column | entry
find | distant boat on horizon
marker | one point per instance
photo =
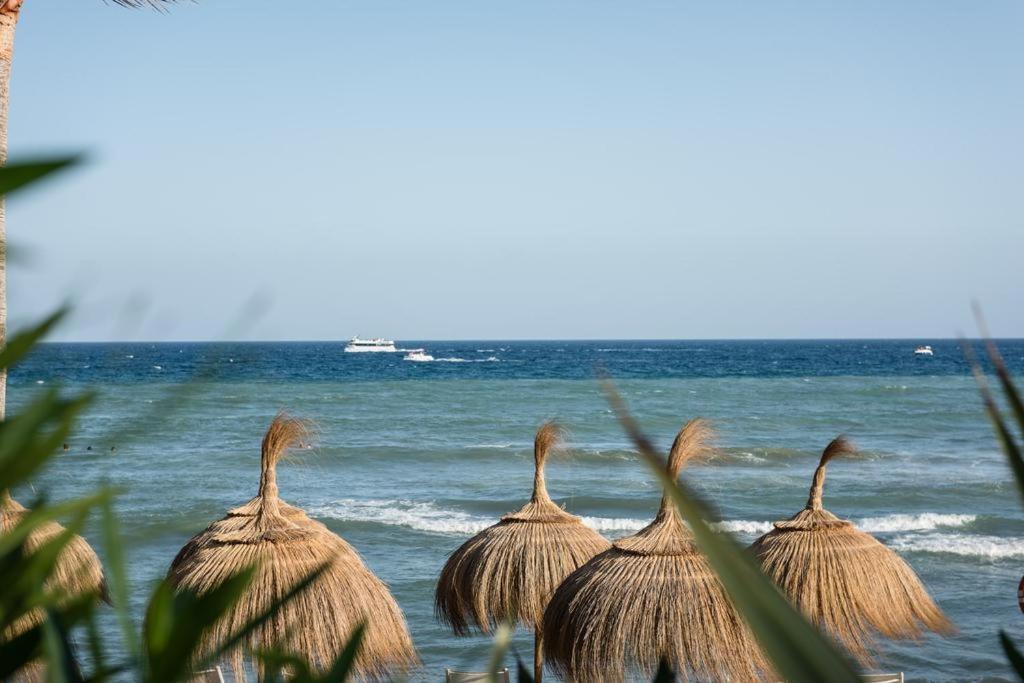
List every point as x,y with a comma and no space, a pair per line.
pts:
924,351
378,345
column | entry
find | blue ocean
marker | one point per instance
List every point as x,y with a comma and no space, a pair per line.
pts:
414,457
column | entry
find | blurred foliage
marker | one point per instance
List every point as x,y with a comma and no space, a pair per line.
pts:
37,620
797,650
1009,432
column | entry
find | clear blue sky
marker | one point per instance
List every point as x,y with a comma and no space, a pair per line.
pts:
522,170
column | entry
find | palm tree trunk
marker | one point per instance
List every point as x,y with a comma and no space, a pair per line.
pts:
8,22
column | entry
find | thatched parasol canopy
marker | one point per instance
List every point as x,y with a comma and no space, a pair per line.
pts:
286,546
843,579
77,572
511,569
652,596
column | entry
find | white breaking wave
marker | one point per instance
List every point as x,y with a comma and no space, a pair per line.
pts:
429,518
743,526
407,513
748,456
919,522
489,359
989,547
615,525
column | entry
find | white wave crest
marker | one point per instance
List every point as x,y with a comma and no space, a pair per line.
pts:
919,522
424,516
489,359
988,547
407,513
428,517
743,526
615,525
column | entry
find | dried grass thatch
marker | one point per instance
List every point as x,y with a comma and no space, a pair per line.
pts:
652,596
843,579
511,569
77,571
287,546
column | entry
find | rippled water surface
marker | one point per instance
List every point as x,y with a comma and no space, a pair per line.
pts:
413,458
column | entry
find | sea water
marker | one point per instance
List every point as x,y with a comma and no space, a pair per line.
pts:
412,458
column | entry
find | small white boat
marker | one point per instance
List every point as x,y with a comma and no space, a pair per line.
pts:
924,351
418,355
379,345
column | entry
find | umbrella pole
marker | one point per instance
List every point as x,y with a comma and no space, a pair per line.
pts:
538,657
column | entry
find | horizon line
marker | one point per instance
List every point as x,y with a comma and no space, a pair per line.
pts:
532,340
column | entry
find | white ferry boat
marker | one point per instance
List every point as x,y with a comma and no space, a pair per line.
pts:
418,355
357,345
924,351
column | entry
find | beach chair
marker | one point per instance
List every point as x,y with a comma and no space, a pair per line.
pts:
213,675
451,676
882,678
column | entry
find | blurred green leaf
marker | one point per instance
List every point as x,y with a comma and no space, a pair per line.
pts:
798,651
61,666
502,641
29,439
342,668
995,415
21,343
117,577
177,621
523,674
40,514
24,572
1012,653
14,176
665,674
275,663
239,636
17,652
1009,389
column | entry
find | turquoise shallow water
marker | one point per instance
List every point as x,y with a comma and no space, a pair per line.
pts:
414,458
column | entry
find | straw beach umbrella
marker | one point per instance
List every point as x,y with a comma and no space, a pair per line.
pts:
843,579
286,546
509,570
77,571
651,596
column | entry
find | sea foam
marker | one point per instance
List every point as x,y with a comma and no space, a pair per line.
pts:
988,547
419,516
919,522
429,518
